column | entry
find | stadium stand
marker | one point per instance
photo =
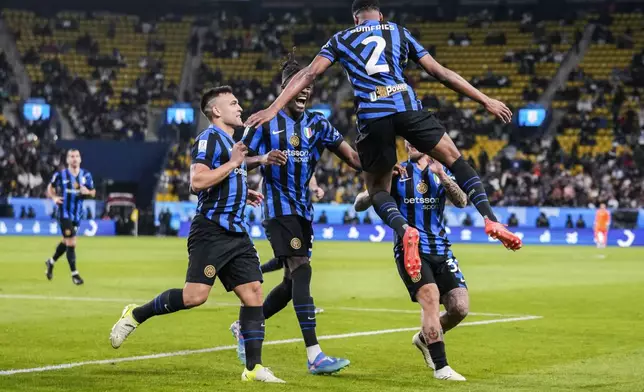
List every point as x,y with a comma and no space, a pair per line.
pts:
101,68
512,57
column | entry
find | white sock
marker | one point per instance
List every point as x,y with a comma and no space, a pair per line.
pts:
51,261
313,352
74,273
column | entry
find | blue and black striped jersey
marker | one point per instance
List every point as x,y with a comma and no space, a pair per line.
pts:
286,187
374,55
68,187
225,202
421,200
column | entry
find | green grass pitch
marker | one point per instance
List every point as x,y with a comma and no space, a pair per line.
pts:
590,335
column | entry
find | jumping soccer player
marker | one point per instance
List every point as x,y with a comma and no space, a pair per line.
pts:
374,54
602,223
68,188
301,136
218,243
421,200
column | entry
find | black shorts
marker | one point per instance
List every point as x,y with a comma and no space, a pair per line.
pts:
290,235
441,270
376,143
214,251
68,227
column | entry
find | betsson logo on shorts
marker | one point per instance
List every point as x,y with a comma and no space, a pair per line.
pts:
429,203
298,156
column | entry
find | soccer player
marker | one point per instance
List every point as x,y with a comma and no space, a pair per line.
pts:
421,200
374,54
301,136
68,188
218,243
602,223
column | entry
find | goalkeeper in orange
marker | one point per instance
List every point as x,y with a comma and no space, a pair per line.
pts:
602,223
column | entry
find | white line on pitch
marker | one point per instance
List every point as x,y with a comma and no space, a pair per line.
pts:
216,303
231,347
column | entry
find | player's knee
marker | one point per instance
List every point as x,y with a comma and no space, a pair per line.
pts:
251,294
299,264
459,312
194,297
428,296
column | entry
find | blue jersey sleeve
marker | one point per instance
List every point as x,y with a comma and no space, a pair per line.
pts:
416,50
203,150
330,50
55,178
89,181
331,137
254,140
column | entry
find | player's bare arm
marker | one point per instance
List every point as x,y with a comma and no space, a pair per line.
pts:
455,82
275,157
453,192
315,188
348,155
299,82
202,177
51,193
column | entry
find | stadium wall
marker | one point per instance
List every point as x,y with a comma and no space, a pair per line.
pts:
527,216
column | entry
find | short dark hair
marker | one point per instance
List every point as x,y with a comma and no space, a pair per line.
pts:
72,150
208,96
365,5
290,67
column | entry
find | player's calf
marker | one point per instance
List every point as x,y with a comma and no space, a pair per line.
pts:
432,335
457,306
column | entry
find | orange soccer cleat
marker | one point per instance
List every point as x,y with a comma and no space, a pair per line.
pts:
498,231
411,253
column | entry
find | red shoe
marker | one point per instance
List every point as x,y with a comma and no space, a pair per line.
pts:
498,231
411,254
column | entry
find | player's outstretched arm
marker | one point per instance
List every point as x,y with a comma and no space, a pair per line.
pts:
455,82
297,83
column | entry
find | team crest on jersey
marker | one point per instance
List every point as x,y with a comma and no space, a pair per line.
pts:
422,187
294,140
68,232
209,271
76,185
296,243
308,132
416,278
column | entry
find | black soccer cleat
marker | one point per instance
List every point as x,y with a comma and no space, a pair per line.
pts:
49,273
77,280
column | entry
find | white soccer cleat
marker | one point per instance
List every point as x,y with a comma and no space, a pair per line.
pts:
424,350
447,373
124,327
262,374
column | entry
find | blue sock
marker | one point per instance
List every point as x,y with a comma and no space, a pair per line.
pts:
169,301
303,303
251,322
271,265
386,208
471,184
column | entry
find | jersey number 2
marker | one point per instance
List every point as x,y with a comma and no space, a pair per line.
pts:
371,66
